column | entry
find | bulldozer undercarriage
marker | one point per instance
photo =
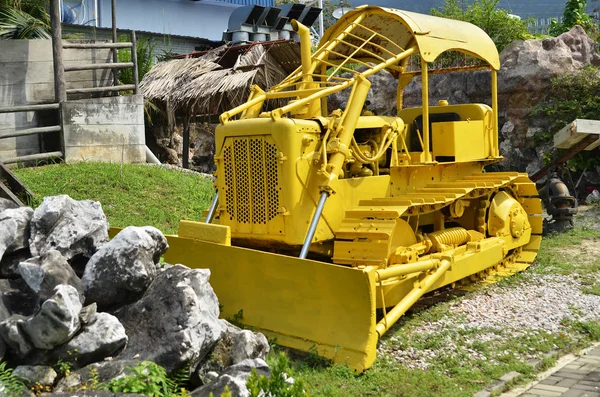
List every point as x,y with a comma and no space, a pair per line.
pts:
495,216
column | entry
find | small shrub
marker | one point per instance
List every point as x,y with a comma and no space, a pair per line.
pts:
147,378
277,385
572,96
62,367
237,319
498,23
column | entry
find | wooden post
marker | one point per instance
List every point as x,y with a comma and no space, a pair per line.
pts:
186,141
134,59
60,92
115,39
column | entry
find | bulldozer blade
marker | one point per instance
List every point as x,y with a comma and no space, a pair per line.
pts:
299,303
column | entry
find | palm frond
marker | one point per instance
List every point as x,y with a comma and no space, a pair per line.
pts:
17,24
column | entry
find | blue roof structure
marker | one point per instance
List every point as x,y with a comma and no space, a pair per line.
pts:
264,3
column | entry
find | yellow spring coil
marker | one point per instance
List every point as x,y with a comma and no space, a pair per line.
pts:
453,236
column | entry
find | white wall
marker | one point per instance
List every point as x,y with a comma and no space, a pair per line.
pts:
206,19
104,129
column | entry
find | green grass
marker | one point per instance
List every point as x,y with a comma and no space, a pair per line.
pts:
136,195
384,379
569,254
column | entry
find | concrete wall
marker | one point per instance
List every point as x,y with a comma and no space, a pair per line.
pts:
163,43
104,129
26,77
206,19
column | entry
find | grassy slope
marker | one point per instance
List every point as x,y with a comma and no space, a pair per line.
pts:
148,195
139,195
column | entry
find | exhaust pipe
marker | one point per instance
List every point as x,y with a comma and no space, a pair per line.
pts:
304,47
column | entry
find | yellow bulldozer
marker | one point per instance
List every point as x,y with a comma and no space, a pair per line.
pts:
329,224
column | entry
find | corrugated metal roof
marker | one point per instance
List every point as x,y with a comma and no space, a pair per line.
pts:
265,3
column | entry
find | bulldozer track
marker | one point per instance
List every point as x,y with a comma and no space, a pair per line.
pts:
476,282
373,219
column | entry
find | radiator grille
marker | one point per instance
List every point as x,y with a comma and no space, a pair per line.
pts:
252,181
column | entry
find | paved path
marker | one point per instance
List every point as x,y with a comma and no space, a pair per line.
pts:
579,378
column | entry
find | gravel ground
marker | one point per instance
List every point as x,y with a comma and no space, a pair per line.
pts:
534,307
539,305
495,313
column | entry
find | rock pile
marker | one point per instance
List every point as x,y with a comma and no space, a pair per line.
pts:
69,294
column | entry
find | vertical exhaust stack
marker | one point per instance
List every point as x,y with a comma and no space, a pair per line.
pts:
304,48
313,109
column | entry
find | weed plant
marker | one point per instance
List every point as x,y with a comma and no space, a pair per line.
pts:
10,384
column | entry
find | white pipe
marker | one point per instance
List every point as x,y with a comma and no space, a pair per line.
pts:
150,157
313,225
321,27
96,14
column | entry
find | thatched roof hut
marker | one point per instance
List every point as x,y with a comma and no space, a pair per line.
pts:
217,80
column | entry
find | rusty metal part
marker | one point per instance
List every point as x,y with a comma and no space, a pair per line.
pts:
560,205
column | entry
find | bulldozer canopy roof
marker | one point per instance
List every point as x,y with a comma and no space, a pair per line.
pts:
433,35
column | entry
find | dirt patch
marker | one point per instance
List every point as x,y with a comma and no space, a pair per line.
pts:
587,249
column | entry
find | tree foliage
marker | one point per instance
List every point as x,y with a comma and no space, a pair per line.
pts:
145,50
24,19
573,96
498,23
574,15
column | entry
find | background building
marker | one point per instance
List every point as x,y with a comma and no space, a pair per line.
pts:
206,19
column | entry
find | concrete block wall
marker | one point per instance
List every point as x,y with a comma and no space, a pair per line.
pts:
104,129
27,77
164,43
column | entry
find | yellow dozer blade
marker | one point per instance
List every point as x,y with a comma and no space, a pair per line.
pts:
299,303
